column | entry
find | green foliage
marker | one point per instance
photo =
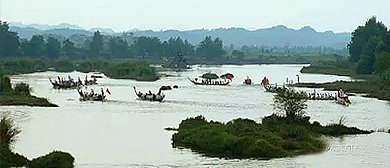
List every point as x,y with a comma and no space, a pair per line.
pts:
9,41
53,47
119,48
68,48
341,67
239,55
147,47
10,159
210,49
56,159
382,62
362,34
20,95
176,45
290,102
35,46
23,88
8,131
96,46
129,70
367,58
244,138
193,122
5,84
385,77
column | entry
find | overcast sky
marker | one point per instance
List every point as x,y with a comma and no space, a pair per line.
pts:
120,15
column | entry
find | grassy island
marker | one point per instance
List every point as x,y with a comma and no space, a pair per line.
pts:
243,138
20,95
286,135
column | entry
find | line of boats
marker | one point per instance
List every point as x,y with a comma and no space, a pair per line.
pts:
205,79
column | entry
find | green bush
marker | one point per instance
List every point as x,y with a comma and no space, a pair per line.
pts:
22,88
385,77
10,159
244,138
56,159
277,136
8,131
5,84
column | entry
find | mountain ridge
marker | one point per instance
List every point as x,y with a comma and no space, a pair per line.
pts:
279,36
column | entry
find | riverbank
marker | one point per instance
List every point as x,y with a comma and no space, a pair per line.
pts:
15,99
369,85
117,69
342,68
275,137
19,95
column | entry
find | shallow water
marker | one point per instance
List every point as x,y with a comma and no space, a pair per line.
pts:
126,132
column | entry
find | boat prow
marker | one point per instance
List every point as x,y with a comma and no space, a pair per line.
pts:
149,96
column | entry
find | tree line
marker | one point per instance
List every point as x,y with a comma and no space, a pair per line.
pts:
107,47
369,49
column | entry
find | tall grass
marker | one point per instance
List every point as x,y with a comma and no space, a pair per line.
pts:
8,131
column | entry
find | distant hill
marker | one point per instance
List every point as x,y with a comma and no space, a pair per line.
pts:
278,36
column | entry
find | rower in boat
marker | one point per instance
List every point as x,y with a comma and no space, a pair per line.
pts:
247,81
342,98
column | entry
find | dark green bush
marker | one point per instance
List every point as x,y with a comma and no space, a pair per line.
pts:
5,84
56,159
22,88
8,131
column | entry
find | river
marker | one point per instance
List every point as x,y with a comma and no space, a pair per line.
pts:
126,132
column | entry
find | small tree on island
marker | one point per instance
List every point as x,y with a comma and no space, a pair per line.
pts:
290,102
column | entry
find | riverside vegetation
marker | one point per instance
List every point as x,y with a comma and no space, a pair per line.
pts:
8,134
369,61
20,95
114,69
280,135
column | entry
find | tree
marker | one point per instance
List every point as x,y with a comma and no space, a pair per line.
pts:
382,62
238,54
210,49
367,58
36,46
53,47
147,46
68,48
8,131
362,34
189,48
119,48
97,45
291,103
9,41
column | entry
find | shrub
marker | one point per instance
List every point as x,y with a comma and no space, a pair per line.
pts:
22,88
8,131
5,84
290,102
56,159
385,77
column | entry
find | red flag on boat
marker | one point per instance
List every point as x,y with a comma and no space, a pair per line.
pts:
108,91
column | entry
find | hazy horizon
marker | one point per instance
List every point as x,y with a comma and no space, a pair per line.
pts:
35,25
122,15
